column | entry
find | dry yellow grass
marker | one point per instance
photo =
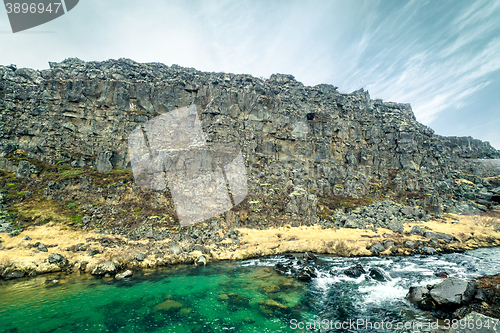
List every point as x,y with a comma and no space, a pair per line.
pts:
298,239
471,231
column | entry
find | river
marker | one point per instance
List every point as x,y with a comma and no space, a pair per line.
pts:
243,296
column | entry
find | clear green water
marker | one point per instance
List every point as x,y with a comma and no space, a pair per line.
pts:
181,299
224,297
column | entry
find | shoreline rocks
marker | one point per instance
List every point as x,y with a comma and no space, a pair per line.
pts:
104,268
456,298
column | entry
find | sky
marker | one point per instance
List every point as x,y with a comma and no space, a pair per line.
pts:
442,57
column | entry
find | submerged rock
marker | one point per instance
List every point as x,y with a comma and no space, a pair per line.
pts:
442,274
234,299
271,306
271,289
169,305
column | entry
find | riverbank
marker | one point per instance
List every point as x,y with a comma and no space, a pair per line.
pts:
53,248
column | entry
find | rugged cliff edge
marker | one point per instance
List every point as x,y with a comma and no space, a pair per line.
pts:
312,155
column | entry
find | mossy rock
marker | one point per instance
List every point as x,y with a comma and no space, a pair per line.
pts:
185,311
271,306
169,305
237,300
271,289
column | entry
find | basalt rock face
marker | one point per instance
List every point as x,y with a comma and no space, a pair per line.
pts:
82,113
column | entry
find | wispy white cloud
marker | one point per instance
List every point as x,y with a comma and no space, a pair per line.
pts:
433,67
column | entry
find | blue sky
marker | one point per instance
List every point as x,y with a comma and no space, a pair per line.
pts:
443,57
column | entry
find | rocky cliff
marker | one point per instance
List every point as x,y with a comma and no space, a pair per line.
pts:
307,150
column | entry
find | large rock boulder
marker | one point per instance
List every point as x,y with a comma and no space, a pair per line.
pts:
12,274
439,235
107,267
453,292
57,259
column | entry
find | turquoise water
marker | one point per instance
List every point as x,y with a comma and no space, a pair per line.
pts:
182,299
246,296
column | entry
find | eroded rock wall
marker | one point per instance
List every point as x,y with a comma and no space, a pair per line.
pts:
290,134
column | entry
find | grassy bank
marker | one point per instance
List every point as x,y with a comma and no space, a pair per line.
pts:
85,250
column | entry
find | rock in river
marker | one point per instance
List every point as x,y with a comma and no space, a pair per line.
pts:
201,261
355,271
378,275
421,297
123,275
306,273
453,292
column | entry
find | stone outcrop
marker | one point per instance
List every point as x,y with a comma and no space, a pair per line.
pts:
299,143
446,296
383,214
